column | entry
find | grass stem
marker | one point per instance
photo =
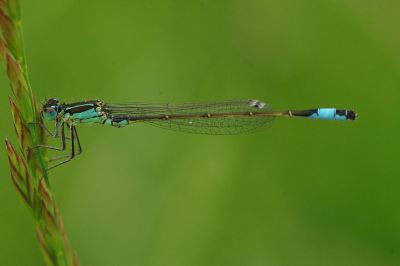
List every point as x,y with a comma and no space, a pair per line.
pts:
28,166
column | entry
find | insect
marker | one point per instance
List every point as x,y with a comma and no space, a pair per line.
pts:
215,118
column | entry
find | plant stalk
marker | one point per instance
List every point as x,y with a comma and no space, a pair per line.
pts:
28,164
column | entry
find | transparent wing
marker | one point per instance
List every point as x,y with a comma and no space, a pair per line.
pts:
216,118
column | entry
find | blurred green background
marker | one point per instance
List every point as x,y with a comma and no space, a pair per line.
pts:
301,193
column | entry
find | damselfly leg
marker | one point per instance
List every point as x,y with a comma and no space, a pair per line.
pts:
53,134
73,137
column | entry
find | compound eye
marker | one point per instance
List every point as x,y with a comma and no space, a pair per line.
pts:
49,113
50,109
51,102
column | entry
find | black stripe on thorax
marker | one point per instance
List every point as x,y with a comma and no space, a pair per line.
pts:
78,107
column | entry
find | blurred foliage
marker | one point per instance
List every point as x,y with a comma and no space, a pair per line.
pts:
302,193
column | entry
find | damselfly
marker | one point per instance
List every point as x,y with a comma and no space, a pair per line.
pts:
216,118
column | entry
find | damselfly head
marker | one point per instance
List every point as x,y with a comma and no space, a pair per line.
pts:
50,109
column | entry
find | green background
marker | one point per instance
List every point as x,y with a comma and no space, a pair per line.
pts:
301,193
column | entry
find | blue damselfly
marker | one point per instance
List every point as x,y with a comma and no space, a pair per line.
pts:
215,118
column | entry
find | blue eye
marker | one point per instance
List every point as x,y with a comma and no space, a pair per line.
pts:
50,114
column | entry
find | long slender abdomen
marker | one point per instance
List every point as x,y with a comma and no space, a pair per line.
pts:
325,114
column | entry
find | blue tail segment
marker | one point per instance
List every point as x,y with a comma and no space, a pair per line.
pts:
333,114
326,114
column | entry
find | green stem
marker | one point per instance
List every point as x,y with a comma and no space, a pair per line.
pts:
28,168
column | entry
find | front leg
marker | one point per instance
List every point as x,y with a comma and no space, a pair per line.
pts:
77,141
49,132
63,140
73,136
53,134
68,155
